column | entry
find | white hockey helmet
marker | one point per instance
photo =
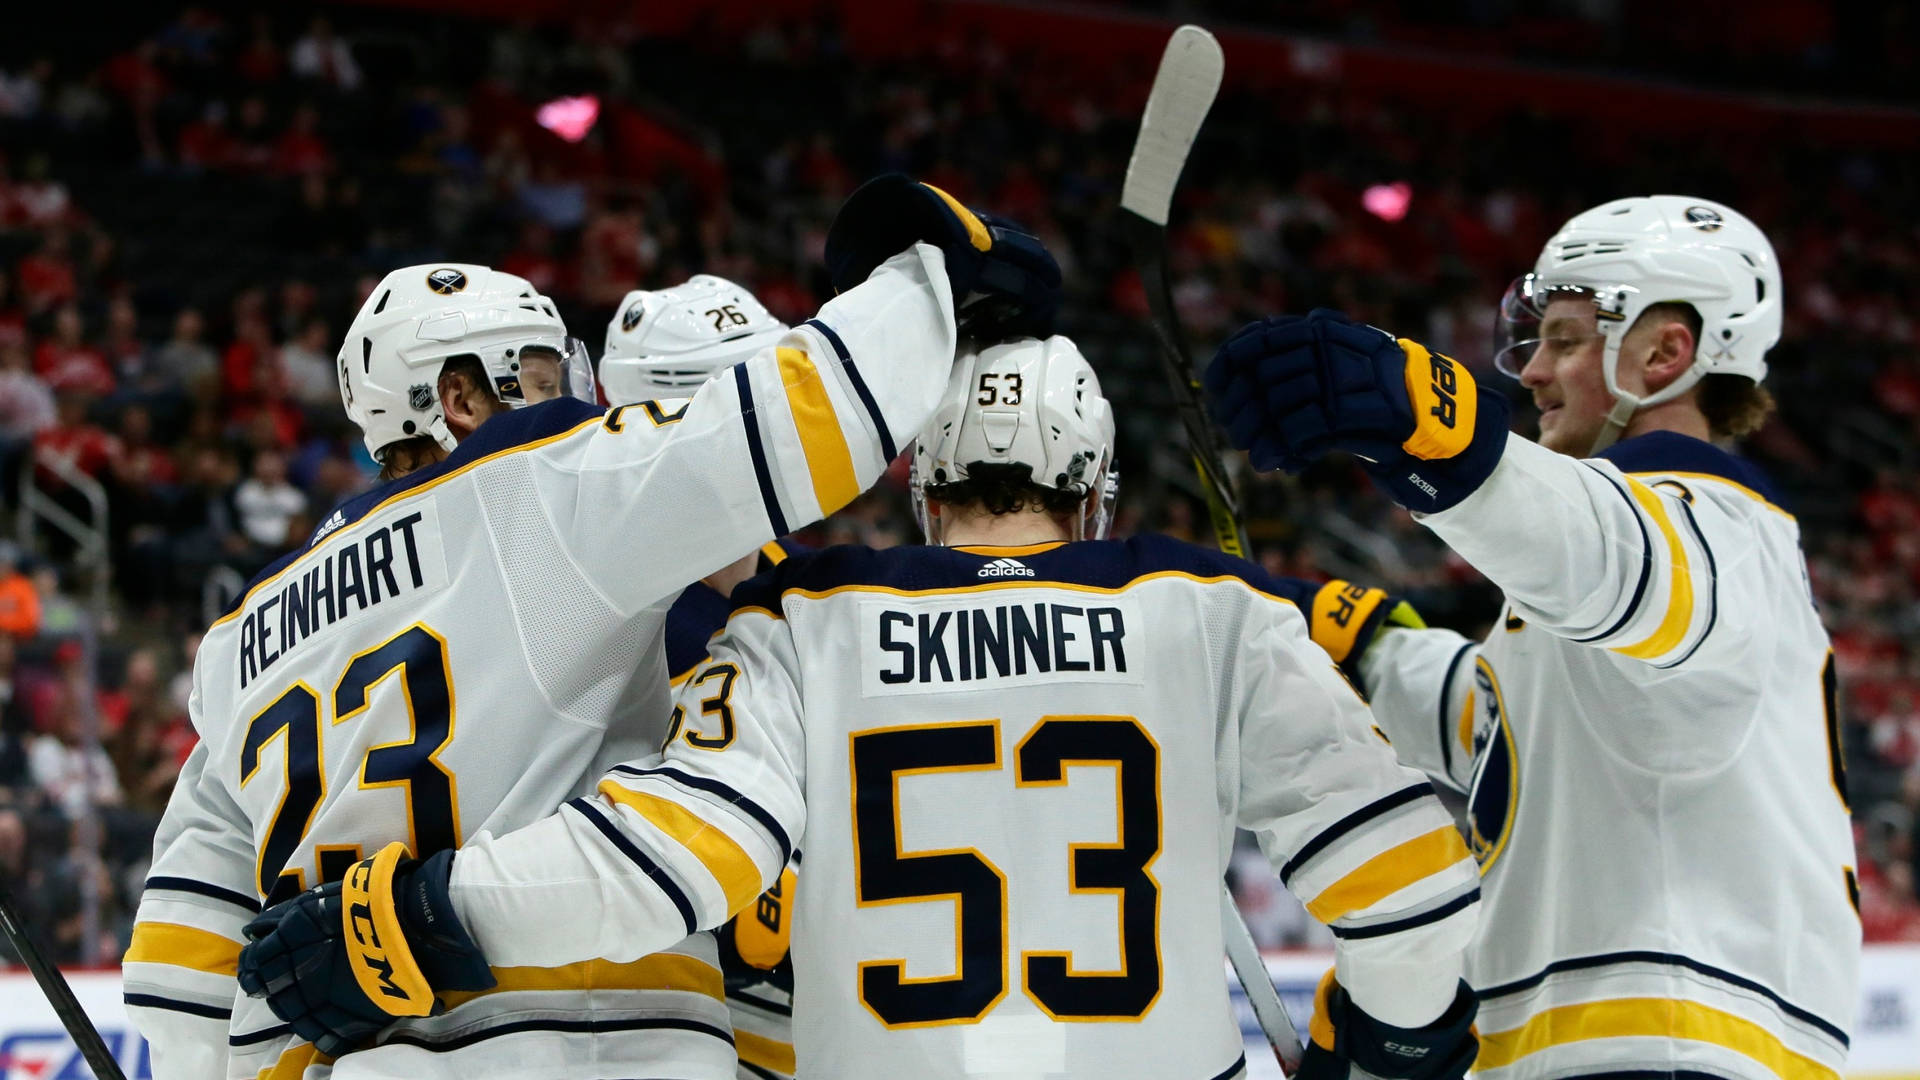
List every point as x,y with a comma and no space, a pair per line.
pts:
1022,402
419,317
666,342
1629,254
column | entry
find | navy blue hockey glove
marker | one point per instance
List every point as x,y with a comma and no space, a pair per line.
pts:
1343,1036
1288,389
1343,618
343,960
1005,283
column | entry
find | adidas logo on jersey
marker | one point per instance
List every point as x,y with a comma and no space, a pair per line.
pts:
338,519
1006,568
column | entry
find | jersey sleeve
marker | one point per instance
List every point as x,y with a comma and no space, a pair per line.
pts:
1600,558
1420,684
179,969
668,845
660,493
1359,838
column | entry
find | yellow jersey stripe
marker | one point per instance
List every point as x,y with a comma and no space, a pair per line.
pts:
828,459
294,1061
1009,549
1673,625
764,1052
183,946
726,860
1389,872
1659,1018
659,971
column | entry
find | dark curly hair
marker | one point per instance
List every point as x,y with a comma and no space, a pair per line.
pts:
1003,489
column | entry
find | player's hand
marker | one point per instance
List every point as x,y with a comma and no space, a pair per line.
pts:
1343,1036
1343,618
343,960
1289,389
1005,283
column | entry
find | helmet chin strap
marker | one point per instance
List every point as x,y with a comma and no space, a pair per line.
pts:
437,427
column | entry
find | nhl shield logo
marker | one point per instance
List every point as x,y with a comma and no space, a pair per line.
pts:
446,281
419,395
632,317
1704,218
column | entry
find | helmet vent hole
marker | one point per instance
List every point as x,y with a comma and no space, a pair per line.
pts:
366,356
1759,290
382,305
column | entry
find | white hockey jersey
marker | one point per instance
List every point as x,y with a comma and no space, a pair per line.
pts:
1016,774
461,651
1650,751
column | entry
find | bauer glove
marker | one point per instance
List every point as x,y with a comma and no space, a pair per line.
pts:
1342,1037
343,960
1289,389
1005,283
1343,618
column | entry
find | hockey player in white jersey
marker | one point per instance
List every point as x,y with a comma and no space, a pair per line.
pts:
1017,762
1647,739
661,345
517,589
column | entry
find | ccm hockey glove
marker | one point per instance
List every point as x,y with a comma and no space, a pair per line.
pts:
1343,1037
343,960
1005,283
1289,389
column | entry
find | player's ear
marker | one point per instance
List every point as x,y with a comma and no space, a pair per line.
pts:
1671,354
465,404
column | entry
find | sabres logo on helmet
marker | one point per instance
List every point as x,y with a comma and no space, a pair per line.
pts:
1704,218
632,316
446,281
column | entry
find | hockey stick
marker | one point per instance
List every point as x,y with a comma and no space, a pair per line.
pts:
1183,91
59,994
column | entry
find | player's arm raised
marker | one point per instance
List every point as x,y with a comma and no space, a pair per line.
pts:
200,892
1581,550
1365,844
800,429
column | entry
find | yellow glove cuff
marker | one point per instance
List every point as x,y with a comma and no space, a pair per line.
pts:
377,951
1340,610
1320,1028
977,233
1445,404
761,934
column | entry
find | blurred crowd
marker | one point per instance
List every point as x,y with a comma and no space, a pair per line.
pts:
188,222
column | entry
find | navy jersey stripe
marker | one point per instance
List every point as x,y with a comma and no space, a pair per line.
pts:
757,452
1345,825
1646,566
727,794
642,860
759,1002
155,1001
582,1027
1239,1064
1446,736
1713,588
887,448
1640,956
249,1038
201,888
764,1074
1411,922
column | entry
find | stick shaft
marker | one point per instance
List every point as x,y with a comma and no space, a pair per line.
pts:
59,994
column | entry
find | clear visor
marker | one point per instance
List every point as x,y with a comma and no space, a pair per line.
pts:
1523,326
543,371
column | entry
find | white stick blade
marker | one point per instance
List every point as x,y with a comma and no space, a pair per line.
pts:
1183,91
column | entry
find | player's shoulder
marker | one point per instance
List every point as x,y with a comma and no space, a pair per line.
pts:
1099,565
1676,459
518,429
